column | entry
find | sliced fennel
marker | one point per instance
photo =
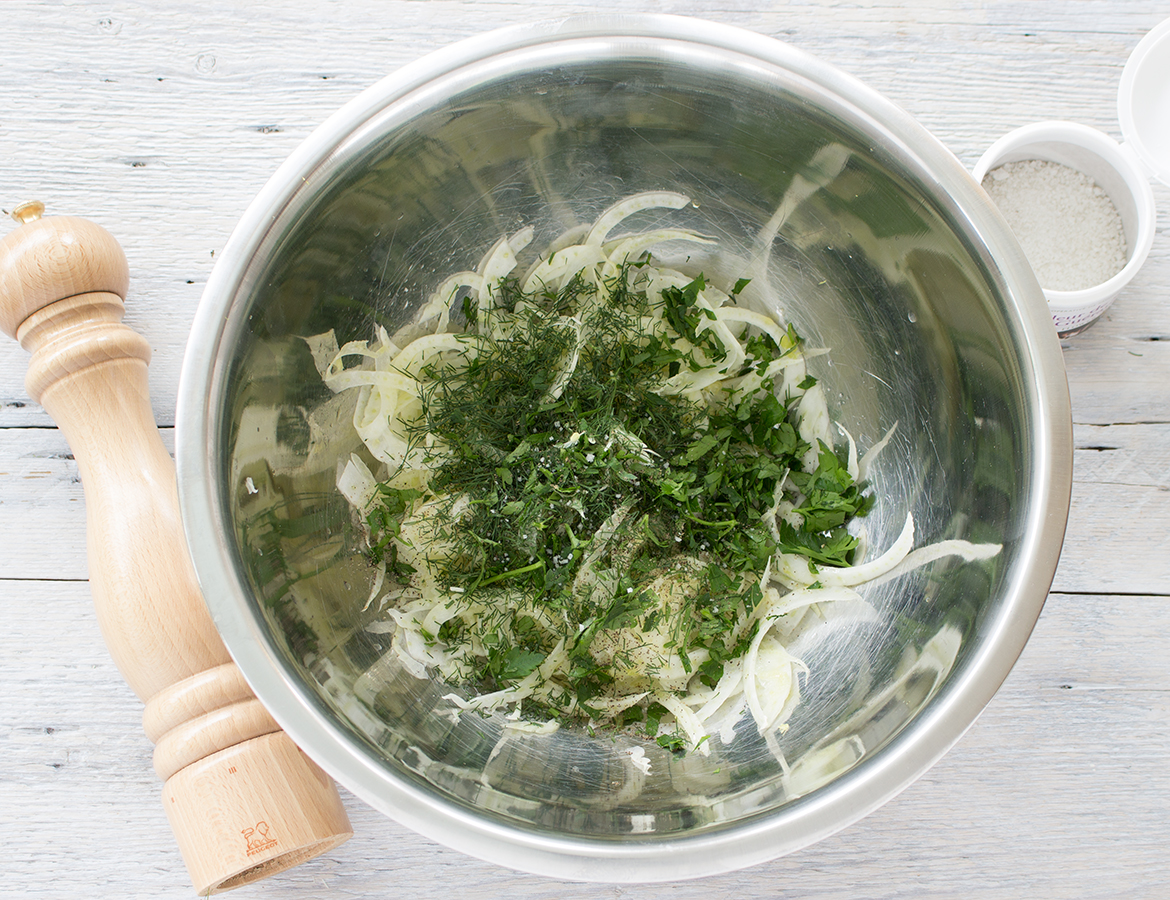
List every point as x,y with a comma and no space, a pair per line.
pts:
629,614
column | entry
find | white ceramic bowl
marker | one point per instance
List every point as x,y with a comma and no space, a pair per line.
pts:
1118,171
1143,102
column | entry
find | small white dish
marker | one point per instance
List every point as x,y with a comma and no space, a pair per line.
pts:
1121,170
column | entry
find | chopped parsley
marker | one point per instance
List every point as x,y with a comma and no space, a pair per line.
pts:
580,502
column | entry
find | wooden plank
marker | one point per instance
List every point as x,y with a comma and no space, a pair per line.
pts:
1118,536
42,505
198,113
1058,790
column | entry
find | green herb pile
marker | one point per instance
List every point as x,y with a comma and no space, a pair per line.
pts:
595,513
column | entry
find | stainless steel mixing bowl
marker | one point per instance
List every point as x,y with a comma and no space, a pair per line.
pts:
883,250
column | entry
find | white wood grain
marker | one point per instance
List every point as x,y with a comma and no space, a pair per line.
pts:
162,122
1115,468
1059,789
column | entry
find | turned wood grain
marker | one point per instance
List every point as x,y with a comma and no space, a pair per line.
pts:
229,772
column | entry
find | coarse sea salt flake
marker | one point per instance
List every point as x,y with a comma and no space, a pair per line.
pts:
1068,227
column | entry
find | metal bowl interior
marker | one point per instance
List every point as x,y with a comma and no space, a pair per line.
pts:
855,225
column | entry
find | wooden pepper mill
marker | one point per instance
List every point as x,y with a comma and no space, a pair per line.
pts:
243,800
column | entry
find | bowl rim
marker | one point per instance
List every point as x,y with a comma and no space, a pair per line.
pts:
886,773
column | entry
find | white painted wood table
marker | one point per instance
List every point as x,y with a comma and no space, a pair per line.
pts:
161,123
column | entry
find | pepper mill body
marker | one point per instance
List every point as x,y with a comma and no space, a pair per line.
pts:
244,802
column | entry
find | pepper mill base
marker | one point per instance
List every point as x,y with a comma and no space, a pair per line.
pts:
252,810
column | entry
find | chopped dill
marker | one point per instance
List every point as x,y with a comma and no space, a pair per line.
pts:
577,505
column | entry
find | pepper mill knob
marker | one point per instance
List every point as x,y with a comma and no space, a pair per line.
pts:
243,800
48,259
